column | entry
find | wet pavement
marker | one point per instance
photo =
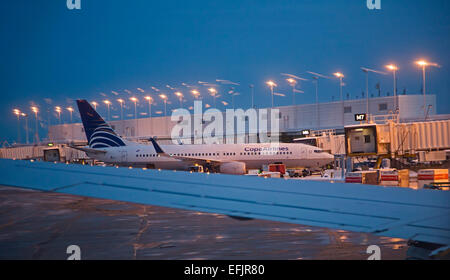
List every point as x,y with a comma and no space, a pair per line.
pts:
38,225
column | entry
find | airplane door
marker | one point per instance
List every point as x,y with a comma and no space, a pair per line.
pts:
123,156
304,153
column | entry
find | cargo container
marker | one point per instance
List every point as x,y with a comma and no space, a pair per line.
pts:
362,177
403,178
428,176
276,167
389,177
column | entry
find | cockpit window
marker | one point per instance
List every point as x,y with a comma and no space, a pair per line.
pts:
318,151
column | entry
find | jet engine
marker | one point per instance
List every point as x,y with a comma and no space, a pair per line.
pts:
235,168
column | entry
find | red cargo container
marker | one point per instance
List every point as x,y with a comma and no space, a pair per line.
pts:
276,167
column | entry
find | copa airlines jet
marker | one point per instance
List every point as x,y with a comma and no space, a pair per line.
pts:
105,145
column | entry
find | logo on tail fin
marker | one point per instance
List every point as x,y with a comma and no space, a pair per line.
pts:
98,132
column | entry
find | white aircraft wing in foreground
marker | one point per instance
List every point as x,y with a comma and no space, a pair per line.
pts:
421,215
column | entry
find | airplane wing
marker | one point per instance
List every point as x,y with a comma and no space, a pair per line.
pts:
421,215
160,152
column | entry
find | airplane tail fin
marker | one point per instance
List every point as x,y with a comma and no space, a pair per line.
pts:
157,147
98,133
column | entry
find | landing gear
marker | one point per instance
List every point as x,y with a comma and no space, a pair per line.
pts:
306,172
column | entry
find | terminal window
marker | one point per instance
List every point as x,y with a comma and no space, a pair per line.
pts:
382,107
348,109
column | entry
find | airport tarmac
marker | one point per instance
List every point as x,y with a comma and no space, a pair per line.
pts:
38,225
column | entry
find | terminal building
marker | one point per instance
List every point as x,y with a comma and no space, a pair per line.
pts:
330,116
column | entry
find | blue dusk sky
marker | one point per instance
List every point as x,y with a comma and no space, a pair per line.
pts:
51,56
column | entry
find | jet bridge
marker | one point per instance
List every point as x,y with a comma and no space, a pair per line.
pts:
398,139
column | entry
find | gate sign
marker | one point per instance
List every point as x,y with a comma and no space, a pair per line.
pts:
306,132
360,117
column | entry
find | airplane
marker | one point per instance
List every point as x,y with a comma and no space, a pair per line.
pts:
107,146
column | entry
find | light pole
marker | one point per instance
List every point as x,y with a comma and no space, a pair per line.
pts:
164,98
36,111
195,93
121,101
17,113
271,84
316,79
367,70
252,87
108,103
394,69
341,76
26,126
135,100
58,110
70,109
180,97
292,83
150,101
367,90
95,105
424,64
233,93
213,93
